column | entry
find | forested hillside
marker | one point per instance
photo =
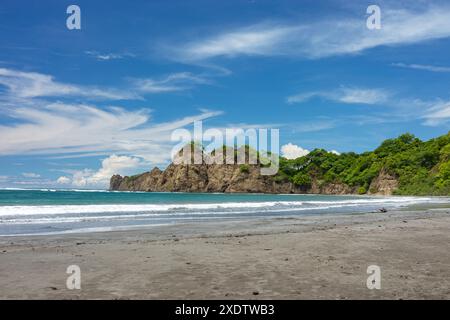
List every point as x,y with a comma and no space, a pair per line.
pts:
421,168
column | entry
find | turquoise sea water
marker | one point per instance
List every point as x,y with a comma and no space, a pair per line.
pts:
33,212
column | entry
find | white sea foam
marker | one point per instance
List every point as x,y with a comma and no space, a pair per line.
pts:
73,209
171,216
146,208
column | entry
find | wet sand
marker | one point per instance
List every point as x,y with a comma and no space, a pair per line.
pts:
313,257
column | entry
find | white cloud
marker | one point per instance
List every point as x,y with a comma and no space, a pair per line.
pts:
31,175
108,56
437,114
23,86
324,38
292,151
344,95
69,130
112,165
365,96
32,85
85,130
173,82
63,180
303,97
253,40
80,130
335,152
422,67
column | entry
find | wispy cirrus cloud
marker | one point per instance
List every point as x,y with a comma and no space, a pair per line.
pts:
344,95
331,37
253,40
431,112
437,114
44,125
31,175
109,56
35,85
422,67
130,139
173,82
86,130
29,85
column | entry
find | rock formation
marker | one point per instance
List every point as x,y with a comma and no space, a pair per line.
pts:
233,178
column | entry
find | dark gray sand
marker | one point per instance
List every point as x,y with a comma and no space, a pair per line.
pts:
312,257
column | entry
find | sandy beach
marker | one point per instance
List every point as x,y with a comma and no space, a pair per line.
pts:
311,257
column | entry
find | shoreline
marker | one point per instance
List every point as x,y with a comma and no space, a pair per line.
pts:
312,257
60,215
232,226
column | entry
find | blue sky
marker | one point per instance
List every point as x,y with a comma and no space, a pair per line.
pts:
79,105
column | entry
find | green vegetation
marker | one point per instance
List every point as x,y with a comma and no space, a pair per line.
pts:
302,180
421,168
362,190
244,168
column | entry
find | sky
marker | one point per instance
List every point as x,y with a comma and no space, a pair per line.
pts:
77,106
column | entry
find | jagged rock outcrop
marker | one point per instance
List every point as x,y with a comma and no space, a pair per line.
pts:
203,178
336,188
232,178
384,184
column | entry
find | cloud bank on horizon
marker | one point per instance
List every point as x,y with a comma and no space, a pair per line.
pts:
75,111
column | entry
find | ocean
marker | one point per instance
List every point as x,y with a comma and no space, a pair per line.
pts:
49,211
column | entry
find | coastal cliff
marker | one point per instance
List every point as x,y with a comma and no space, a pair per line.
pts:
203,178
404,166
231,179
